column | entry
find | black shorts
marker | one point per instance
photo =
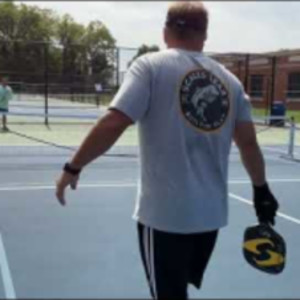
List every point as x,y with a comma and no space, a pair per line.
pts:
172,261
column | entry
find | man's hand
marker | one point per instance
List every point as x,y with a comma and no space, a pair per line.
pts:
265,204
101,137
65,180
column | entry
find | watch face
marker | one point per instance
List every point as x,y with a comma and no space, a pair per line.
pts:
204,100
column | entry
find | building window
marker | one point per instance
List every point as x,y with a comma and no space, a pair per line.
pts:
256,85
294,85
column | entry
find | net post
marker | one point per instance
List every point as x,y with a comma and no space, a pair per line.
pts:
292,138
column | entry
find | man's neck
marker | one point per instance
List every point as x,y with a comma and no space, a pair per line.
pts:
188,46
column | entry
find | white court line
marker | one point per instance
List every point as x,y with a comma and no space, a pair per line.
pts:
122,184
5,272
52,187
284,216
278,180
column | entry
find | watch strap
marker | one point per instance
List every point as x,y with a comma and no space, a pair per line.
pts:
71,170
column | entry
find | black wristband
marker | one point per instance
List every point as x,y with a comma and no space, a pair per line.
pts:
261,189
260,192
265,204
69,169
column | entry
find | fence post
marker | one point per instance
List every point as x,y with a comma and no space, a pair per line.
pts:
118,67
247,58
273,79
46,79
268,97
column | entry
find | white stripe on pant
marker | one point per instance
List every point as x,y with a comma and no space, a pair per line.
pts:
149,257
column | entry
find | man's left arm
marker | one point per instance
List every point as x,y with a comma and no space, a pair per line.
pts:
129,105
102,136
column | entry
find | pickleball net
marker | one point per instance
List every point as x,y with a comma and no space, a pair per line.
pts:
29,136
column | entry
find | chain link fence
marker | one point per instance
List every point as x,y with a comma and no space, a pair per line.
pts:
44,73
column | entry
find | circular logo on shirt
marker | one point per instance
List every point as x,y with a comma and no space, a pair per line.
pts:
204,100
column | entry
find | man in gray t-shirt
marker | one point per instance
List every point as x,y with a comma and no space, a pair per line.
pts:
188,109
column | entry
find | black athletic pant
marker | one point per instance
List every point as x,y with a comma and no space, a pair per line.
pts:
172,261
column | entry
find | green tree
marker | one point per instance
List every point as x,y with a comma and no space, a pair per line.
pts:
8,20
70,35
73,50
100,50
23,30
28,23
34,24
143,49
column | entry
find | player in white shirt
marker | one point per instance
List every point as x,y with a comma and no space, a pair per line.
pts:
188,108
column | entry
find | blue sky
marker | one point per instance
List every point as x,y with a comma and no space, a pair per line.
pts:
234,26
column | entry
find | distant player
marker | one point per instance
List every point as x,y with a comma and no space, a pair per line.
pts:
6,95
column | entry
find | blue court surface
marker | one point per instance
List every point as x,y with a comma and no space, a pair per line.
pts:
89,249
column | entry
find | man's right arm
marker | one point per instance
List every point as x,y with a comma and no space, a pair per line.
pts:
265,203
252,158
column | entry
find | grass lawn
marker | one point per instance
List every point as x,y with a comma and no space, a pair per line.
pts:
260,112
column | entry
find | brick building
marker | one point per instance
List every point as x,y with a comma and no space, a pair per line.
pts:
267,77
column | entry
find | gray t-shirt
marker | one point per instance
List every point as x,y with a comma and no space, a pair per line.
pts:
186,106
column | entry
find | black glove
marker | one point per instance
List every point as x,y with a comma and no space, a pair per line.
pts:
265,204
